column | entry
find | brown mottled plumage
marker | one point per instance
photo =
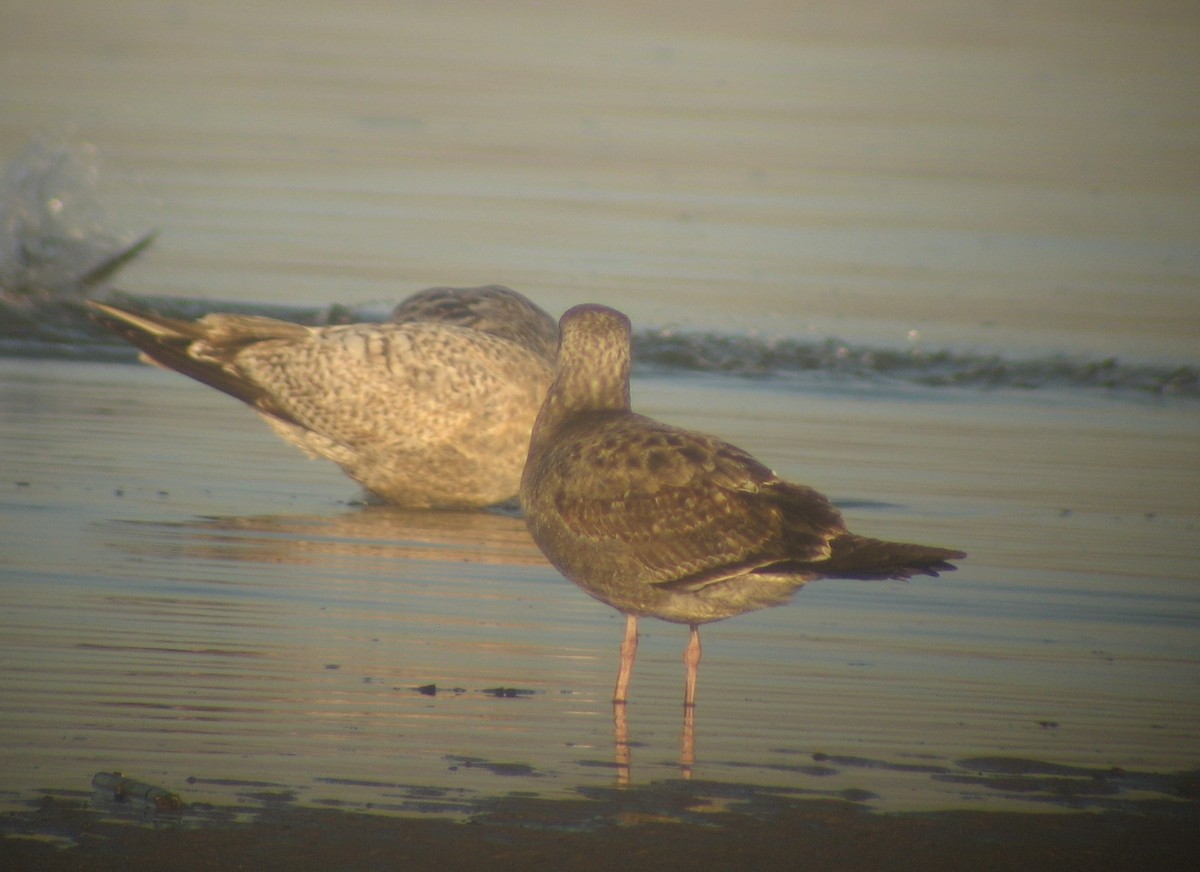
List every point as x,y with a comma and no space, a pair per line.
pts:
423,412
663,522
492,309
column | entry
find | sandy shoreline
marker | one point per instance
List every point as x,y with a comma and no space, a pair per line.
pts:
662,826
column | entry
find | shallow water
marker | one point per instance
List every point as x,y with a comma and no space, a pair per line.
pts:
185,599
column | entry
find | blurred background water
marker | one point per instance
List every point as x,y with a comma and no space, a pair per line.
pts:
937,260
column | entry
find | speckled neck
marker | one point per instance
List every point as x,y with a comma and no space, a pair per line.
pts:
592,370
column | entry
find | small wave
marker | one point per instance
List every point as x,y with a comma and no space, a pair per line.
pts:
56,241
756,356
57,249
64,330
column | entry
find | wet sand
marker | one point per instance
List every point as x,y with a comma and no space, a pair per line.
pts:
624,830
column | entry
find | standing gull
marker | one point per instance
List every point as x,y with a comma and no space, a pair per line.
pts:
662,522
430,409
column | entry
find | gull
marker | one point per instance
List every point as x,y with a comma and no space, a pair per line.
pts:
658,521
432,409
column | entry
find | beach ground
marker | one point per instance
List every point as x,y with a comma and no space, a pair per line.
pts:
619,832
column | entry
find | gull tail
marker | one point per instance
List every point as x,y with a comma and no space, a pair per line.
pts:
204,350
860,557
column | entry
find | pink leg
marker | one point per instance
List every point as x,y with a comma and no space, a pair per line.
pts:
628,652
687,749
621,744
691,658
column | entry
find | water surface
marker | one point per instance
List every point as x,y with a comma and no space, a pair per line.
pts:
186,600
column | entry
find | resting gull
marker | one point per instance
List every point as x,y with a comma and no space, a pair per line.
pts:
662,522
430,409
492,309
